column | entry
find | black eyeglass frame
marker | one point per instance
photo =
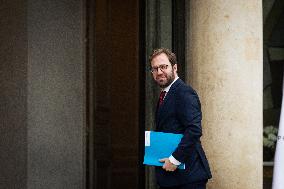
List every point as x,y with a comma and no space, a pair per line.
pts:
162,67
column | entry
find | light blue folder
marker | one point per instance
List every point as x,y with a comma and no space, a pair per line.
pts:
160,145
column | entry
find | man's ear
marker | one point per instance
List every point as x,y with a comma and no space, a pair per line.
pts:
175,67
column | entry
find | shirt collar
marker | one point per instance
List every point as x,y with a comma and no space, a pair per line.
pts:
168,87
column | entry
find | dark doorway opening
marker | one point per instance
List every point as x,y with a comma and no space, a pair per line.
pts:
114,94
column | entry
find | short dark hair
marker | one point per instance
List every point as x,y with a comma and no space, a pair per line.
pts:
171,56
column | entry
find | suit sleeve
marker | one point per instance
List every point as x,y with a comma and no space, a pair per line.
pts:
189,115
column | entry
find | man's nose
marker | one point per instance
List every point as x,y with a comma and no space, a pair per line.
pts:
159,71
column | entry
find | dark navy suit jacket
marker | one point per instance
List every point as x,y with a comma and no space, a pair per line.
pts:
180,113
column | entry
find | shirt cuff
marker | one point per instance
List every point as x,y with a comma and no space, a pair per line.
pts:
174,161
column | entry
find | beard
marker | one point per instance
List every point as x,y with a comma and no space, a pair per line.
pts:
164,82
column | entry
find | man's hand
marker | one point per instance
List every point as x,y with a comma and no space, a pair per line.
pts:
168,166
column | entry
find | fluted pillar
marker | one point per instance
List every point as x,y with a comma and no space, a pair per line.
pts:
224,58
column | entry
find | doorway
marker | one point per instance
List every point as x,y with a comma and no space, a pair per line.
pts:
113,85
121,95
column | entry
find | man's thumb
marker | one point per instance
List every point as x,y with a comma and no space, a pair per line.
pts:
162,160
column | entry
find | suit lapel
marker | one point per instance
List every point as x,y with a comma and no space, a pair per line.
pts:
160,111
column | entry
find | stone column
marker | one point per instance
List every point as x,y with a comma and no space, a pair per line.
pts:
225,67
56,95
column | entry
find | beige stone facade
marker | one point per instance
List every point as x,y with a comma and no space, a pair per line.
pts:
225,55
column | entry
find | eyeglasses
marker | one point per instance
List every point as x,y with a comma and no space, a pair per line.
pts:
162,67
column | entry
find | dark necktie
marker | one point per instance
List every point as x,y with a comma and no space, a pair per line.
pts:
161,98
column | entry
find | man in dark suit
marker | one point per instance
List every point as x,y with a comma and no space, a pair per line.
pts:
178,111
